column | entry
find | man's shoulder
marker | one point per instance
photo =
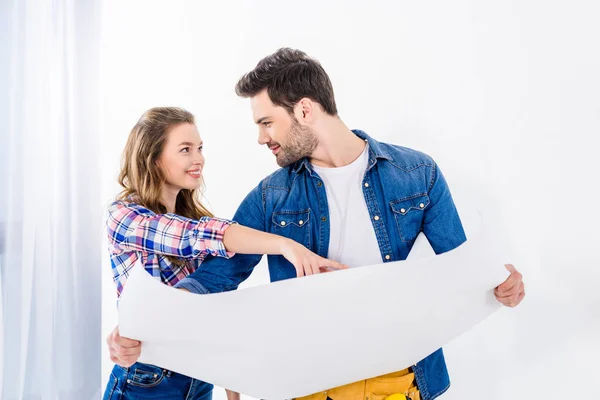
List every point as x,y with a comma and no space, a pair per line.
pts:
400,156
404,157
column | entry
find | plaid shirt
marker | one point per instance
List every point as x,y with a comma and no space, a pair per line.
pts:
134,233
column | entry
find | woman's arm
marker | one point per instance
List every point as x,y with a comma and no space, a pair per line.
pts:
244,240
132,227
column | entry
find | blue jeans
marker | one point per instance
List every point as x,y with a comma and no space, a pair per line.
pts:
145,381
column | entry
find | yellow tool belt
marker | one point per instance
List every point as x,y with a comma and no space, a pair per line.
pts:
395,386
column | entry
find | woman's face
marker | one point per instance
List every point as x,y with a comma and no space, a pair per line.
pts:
181,159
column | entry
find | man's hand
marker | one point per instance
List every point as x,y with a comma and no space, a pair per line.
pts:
232,395
123,351
512,290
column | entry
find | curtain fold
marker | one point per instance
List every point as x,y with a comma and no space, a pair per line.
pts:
50,208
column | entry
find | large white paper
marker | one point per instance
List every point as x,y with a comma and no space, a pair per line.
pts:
300,336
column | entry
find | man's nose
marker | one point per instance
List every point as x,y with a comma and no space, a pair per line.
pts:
263,138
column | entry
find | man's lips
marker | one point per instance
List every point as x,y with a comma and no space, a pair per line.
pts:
275,149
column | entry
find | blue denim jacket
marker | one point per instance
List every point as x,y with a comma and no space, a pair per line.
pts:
403,187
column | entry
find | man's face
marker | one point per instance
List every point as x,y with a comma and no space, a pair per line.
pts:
288,140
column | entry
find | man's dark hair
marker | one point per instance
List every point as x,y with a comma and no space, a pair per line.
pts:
289,75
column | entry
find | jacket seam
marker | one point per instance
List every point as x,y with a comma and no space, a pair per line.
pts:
444,390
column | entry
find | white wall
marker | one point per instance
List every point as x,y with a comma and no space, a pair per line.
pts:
504,93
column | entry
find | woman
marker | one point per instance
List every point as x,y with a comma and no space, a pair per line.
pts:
157,219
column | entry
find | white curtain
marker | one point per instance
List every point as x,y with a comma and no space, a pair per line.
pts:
50,212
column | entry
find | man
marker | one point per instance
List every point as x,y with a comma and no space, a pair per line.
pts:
342,194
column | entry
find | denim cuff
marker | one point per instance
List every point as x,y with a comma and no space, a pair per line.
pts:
192,285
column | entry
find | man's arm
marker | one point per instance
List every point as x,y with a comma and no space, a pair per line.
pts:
441,223
442,226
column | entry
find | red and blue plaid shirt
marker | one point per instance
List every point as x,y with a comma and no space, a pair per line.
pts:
136,233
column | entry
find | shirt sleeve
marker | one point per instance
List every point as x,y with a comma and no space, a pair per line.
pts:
219,275
441,222
132,227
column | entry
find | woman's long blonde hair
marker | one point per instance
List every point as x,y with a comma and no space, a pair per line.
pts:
140,175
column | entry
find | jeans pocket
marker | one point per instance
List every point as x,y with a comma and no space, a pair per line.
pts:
110,387
145,376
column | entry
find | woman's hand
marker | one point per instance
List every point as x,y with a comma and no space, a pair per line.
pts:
123,351
305,261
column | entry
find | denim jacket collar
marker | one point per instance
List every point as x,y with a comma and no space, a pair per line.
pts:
376,151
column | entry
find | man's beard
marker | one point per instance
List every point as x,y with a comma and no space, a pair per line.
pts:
301,143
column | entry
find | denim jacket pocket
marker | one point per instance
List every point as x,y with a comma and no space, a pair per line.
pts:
408,213
293,225
146,376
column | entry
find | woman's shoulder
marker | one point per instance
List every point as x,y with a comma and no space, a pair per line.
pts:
127,206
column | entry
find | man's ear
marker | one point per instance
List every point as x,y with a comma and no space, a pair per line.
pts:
304,110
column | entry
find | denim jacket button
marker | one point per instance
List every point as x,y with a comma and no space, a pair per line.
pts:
366,184
422,205
319,184
376,218
300,222
283,223
387,257
402,210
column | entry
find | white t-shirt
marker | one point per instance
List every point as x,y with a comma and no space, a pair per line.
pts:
352,239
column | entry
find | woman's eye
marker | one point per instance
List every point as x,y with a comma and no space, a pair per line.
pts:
185,150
